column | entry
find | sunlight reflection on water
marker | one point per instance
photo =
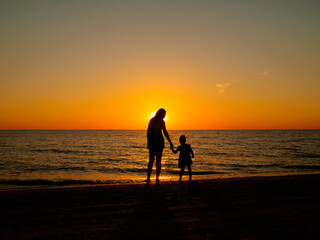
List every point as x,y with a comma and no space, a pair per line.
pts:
122,156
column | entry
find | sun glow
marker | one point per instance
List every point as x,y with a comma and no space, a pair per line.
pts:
154,113
151,115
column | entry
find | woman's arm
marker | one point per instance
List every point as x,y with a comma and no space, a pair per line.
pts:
192,155
164,129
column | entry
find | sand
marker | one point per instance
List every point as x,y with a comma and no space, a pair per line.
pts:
284,207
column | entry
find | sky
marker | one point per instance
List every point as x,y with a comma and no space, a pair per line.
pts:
228,64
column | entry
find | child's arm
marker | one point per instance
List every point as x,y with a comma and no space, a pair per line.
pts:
175,151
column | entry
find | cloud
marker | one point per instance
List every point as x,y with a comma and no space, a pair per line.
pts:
222,87
264,73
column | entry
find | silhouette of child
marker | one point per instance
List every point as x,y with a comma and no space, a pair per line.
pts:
185,156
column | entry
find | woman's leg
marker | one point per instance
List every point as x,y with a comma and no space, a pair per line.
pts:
190,173
181,173
150,164
158,163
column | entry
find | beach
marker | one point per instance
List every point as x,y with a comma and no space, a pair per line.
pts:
281,207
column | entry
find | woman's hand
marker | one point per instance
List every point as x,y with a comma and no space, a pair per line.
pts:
171,146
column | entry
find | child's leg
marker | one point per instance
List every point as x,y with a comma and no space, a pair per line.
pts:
150,164
181,172
190,173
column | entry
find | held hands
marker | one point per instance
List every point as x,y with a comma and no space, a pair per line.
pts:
171,147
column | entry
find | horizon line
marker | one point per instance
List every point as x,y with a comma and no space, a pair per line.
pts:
100,129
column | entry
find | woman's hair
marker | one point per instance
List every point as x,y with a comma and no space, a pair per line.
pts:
161,113
182,139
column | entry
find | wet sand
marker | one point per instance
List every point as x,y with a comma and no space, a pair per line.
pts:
284,207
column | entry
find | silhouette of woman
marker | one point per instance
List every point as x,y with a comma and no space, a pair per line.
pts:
156,142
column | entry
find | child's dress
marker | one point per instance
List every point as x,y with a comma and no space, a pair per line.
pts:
185,155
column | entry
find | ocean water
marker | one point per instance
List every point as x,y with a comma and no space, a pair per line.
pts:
58,158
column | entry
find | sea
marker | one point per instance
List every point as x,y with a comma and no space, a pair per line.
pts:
55,158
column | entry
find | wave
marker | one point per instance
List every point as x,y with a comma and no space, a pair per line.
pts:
239,166
300,140
249,165
307,167
308,155
54,150
33,168
196,172
293,149
144,170
206,137
206,172
139,147
218,153
120,170
107,160
65,182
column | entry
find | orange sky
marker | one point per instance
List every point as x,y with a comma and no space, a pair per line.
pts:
109,65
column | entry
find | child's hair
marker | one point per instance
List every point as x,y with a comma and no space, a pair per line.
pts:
182,139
